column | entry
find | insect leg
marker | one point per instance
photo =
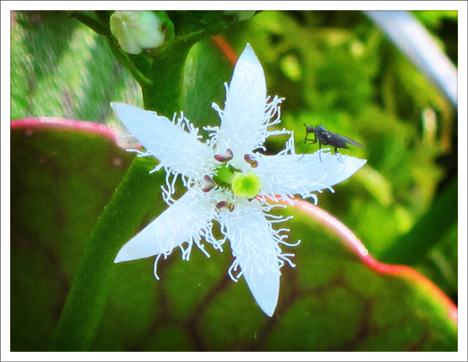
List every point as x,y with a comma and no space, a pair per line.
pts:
311,141
315,139
307,133
338,155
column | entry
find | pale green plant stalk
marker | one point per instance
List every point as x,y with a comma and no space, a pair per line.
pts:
86,300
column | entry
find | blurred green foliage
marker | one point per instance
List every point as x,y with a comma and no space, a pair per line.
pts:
338,70
334,68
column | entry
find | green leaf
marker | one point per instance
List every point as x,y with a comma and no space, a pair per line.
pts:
206,71
334,299
428,231
351,301
59,192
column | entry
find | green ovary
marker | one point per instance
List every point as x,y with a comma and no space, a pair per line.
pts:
246,185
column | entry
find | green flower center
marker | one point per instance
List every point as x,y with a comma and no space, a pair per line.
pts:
242,184
246,185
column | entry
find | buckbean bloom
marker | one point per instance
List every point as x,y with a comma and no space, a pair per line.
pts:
227,178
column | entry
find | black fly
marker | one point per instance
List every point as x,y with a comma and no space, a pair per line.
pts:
327,138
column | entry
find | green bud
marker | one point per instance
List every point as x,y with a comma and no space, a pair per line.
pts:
140,30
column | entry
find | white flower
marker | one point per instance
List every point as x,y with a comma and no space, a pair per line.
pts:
224,176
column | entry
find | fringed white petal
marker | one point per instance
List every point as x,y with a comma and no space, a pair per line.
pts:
246,224
175,148
287,175
242,121
185,221
254,244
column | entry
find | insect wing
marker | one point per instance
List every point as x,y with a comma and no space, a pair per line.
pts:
350,141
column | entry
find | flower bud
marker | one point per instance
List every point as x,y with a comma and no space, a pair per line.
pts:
139,30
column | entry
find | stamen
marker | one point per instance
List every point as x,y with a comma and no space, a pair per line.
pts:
208,183
228,155
250,160
225,204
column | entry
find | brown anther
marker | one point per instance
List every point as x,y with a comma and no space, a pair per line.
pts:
209,183
225,204
251,161
228,155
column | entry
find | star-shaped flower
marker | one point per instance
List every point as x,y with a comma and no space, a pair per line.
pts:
226,178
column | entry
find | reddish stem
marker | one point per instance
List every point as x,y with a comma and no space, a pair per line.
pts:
226,48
